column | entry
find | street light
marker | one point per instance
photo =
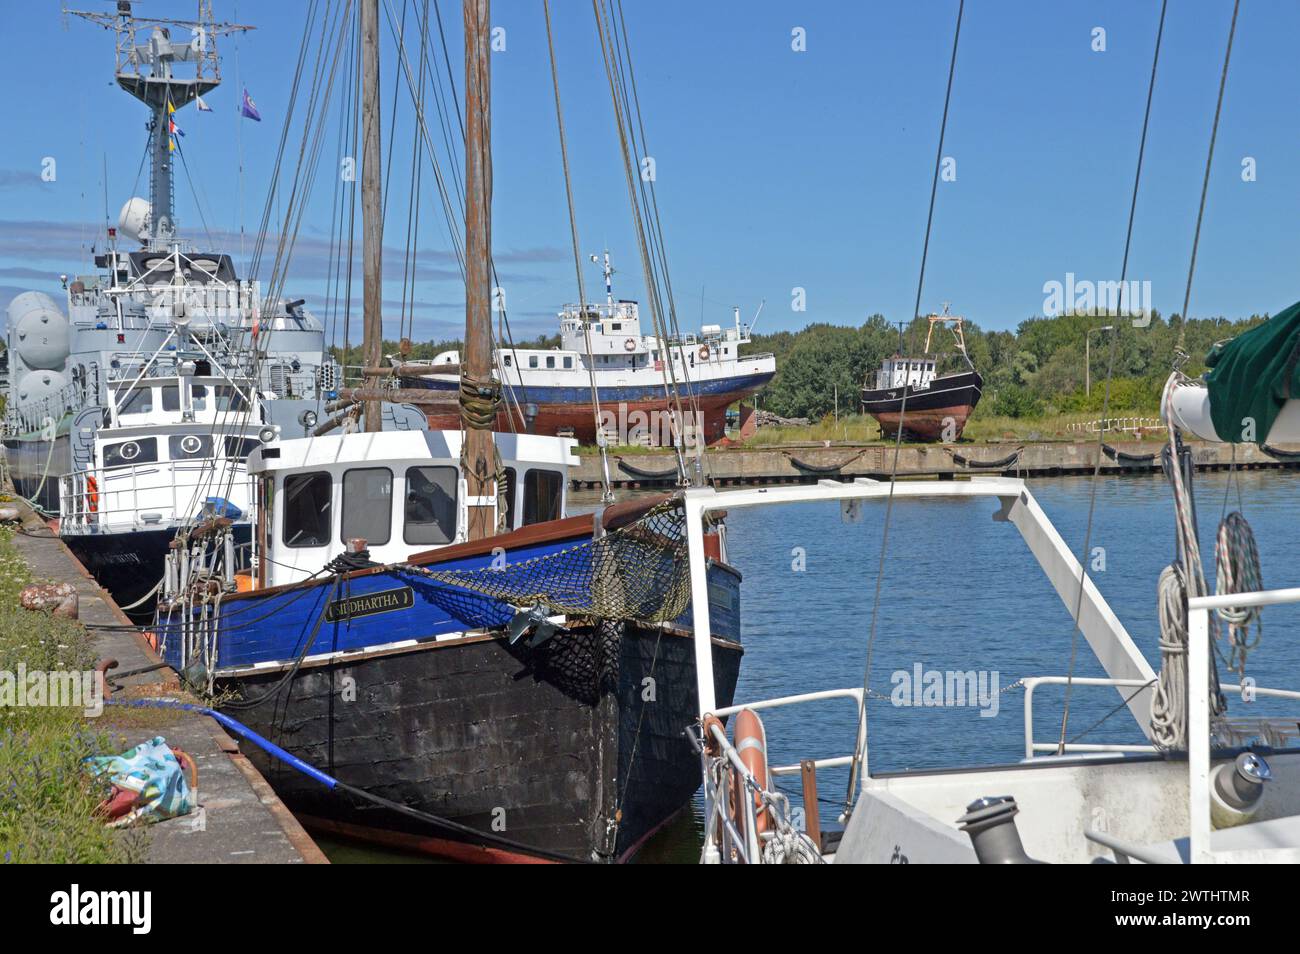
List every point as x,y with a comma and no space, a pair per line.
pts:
1087,357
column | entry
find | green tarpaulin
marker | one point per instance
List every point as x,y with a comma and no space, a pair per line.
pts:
1252,376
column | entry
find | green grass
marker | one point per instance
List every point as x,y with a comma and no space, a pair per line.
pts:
47,801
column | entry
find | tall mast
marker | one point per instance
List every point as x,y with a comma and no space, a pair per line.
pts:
371,212
147,53
478,393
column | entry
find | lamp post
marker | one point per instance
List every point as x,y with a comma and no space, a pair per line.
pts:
1087,357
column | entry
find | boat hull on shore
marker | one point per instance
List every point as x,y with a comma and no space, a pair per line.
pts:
627,409
936,412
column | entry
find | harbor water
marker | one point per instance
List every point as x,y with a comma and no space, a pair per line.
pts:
961,593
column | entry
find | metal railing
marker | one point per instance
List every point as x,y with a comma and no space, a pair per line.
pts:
731,832
139,496
1033,682
1126,425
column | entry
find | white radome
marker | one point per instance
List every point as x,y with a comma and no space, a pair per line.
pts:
134,219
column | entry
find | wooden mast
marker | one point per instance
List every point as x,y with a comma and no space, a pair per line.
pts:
479,394
371,211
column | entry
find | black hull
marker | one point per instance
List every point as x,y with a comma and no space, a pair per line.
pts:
129,564
541,747
951,390
937,412
35,468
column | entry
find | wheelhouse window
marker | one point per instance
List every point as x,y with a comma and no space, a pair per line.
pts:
142,451
171,397
229,398
543,490
307,510
240,447
139,401
532,361
568,361
550,360
187,446
368,505
429,513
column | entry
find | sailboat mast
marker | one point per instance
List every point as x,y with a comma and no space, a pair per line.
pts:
478,407
371,212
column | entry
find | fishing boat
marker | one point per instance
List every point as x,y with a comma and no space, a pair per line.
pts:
910,394
602,346
438,655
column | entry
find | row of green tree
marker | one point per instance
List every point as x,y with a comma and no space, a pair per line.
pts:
1037,369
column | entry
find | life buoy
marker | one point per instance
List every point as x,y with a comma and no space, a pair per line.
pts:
704,352
92,495
751,746
629,344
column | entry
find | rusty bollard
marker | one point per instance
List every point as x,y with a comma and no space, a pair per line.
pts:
59,598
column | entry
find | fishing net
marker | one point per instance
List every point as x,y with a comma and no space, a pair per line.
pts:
637,572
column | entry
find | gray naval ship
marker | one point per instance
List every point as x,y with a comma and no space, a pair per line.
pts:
134,396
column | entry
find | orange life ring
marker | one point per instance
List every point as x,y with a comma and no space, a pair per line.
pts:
751,745
92,494
704,352
629,344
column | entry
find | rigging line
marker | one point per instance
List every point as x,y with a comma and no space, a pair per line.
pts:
647,263
407,323
265,220
656,218
399,37
1205,186
855,765
607,495
1110,365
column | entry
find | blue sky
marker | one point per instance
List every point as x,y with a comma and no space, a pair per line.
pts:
775,169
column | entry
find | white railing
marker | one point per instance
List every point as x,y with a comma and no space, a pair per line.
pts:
731,832
1198,718
1033,682
1127,425
140,496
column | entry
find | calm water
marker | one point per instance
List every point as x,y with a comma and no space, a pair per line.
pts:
960,593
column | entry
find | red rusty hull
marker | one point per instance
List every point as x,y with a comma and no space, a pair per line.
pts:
928,424
552,418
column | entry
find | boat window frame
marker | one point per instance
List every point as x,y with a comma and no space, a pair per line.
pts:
147,445
284,511
343,507
530,514
455,505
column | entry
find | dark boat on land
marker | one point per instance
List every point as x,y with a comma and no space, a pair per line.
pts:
909,393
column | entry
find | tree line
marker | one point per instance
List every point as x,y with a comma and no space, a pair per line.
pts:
1038,369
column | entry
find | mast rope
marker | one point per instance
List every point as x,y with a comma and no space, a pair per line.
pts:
855,765
1180,354
1075,631
607,495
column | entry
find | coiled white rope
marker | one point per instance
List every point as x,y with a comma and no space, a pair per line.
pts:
1236,562
1169,695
